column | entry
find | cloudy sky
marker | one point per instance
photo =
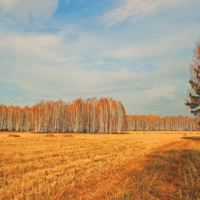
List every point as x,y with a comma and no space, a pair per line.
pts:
136,51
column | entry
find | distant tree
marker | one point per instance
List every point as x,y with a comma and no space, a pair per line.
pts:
94,114
193,100
121,116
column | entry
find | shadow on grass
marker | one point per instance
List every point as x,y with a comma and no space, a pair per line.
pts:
191,138
120,133
165,175
112,133
108,133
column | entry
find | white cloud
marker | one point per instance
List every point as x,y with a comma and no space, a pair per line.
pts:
66,89
8,4
46,47
139,9
155,47
67,1
19,98
145,98
8,98
7,88
25,10
30,103
99,62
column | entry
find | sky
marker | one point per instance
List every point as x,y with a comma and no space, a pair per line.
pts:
135,51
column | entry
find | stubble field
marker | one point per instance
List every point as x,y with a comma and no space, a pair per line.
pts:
135,165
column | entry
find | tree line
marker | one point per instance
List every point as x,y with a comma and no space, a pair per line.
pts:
103,116
156,123
93,116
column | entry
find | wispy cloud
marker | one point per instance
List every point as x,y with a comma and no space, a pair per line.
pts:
67,1
31,45
32,9
154,47
8,98
138,9
19,98
7,88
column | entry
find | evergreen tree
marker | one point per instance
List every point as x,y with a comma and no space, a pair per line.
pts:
194,93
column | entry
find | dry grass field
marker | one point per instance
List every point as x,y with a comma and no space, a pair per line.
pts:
135,165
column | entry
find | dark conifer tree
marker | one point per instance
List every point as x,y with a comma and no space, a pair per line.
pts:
193,100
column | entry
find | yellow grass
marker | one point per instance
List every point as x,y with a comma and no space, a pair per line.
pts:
170,172
81,166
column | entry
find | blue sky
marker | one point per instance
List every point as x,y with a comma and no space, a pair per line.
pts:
136,51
